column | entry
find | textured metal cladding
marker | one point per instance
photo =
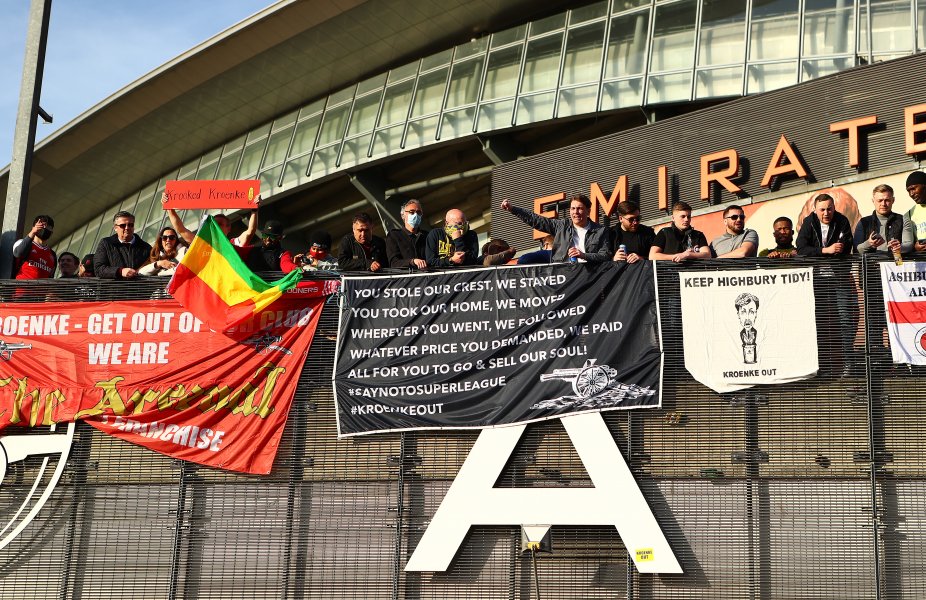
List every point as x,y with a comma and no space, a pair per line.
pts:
751,125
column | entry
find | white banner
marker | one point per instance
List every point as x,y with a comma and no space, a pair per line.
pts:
745,328
905,306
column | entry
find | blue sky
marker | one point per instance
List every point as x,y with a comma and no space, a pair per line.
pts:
97,47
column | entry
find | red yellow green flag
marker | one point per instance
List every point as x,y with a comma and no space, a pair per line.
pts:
213,283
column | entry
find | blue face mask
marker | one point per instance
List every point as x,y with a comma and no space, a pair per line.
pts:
413,219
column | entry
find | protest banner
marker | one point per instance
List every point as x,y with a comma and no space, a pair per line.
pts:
151,373
212,194
740,327
904,288
487,347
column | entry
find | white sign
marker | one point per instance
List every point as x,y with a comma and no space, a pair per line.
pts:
905,306
745,328
615,500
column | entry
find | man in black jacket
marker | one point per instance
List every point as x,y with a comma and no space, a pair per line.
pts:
826,233
361,250
577,237
120,255
454,245
405,246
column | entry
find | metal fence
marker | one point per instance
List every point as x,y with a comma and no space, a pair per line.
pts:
812,489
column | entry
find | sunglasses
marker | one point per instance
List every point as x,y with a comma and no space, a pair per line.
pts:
631,219
125,225
168,237
736,217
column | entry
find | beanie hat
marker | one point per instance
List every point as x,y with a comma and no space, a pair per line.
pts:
916,178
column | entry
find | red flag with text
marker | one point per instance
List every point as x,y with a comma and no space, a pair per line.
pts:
151,373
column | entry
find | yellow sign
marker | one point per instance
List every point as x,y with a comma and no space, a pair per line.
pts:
645,554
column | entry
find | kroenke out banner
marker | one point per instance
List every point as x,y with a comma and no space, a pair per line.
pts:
150,373
487,347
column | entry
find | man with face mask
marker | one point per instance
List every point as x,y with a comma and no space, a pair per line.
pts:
454,245
316,259
405,246
33,258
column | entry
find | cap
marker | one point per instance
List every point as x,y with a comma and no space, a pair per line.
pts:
320,238
916,178
272,228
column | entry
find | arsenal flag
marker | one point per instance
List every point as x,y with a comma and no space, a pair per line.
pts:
905,304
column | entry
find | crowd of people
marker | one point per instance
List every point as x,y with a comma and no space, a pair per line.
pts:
823,232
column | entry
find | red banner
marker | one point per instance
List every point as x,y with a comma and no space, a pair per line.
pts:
152,374
212,194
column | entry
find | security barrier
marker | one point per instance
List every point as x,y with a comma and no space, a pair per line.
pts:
813,489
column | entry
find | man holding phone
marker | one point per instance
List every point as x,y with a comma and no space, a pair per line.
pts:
33,258
884,230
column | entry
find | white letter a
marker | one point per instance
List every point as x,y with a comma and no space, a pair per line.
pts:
615,500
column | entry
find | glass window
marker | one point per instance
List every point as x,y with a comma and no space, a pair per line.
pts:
333,124
258,133
373,83
285,120
723,32
502,74
324,161
429,95
421,132
457,123
673,36
269,179
345,95
627,45
364,115
395,105
388,141
276,148
495,115
403,72
582,61
577,101
719,82
509,36
355,150
764,78
921,21
547,25
538,107
773,33
464,83
812,69
304,139
188,171
621,94
829,27
207,169
294,172
669,88
588,13
250,162
93,235
890,27
622,5
228,166
436,60
477,46
541,67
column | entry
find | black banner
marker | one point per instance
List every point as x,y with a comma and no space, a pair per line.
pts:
495,346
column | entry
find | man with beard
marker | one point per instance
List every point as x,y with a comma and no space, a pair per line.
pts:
783,231
266,256
33,258
916,187
635,237
577,238
747,308
405,247
736,241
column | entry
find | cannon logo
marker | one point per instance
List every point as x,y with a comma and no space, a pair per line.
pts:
8,348
14,451
615,500
594,386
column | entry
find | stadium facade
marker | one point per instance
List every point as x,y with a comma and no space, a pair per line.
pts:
809,489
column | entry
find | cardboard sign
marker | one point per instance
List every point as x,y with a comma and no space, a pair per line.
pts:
212,194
